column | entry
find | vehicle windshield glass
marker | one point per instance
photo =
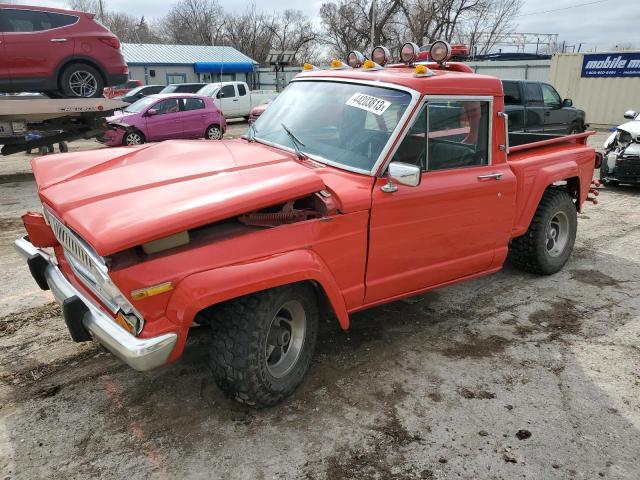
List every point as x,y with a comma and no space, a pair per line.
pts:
340,123
137,107
134,91
209,89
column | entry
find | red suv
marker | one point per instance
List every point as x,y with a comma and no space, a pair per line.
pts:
59,52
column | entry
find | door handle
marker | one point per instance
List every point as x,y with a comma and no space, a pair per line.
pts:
235,99
58,40
547,113
495,176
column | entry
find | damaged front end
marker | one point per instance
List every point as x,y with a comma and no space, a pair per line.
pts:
622,156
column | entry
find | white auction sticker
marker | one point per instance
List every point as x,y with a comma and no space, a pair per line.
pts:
375,105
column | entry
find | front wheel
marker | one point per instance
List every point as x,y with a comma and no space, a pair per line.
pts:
213,133
133,137
263,343
548,243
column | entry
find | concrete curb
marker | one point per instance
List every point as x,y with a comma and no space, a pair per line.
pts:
16,177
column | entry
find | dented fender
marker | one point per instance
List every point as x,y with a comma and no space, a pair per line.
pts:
211,287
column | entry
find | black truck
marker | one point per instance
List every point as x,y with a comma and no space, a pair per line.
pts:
538,108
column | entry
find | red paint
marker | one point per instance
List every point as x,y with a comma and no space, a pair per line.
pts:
376,248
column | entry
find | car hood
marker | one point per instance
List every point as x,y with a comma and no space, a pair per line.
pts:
122,197
632,127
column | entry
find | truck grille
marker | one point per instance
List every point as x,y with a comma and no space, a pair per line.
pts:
73,245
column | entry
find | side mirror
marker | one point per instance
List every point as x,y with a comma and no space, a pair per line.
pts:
151,112
567,102
630,114
404,174
219,95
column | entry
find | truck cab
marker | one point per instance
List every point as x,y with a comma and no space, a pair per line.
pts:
538,108
235,99
358,186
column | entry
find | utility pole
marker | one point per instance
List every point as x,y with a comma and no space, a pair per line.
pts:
373,24
101,8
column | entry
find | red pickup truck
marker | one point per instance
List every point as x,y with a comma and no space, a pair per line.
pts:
356,187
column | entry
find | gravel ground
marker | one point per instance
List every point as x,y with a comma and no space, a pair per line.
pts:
509,376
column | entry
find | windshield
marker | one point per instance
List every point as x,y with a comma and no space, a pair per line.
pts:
169,89
342,123
137,107
209,89
134,91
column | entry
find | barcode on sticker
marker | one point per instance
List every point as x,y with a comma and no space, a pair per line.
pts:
375,105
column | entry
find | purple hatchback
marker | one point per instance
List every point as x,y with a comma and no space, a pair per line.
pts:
163,117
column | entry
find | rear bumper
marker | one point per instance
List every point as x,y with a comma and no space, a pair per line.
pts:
83,316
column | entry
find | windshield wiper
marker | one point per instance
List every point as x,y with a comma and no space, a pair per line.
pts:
296,142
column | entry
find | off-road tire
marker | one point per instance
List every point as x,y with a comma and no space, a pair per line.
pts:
84,70
237,356
576,127
529,252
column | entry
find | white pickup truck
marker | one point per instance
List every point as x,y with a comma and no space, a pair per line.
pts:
235,99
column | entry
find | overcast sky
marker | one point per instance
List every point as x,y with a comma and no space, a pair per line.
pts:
601,25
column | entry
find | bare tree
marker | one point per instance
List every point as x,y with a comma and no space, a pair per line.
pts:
195,22
249,33
489,20
292,31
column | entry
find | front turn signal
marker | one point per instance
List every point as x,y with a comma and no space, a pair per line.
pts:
147,292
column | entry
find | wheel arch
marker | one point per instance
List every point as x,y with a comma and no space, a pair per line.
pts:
564,175
80,59
206,289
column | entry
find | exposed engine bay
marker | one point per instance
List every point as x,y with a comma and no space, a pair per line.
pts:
622,155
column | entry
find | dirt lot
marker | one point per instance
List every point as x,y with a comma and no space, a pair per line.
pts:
510,376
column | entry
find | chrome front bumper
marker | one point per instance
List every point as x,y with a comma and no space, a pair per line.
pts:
139,353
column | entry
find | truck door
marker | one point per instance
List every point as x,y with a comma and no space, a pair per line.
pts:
229,101
165,122
36,42
534,107
555,118
451,224
244,100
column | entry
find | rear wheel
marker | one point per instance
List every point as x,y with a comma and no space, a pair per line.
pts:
263,343
576,127
80,80
213,133
133,137
548,243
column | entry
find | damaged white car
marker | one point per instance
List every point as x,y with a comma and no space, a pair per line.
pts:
622,153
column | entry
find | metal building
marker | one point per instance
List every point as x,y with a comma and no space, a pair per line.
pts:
157,64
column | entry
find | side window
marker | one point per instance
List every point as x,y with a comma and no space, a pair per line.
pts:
413,148
170,105
532,93
458,134
61,20
512,93
242,91
551,97
23,21
193,104
227,92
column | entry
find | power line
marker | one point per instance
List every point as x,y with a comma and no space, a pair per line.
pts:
563,8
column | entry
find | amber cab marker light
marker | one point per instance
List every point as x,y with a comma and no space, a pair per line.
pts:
307,67
423,71
141,293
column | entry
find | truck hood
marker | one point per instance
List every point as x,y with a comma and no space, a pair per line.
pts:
122,197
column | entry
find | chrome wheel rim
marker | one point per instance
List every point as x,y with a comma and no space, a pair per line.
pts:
133,139
285,338
214,133
83,84
557,234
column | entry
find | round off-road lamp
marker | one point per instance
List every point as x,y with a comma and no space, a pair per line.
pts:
440,51
409,52
355,59
380,55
